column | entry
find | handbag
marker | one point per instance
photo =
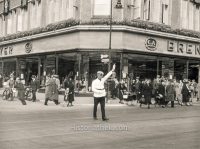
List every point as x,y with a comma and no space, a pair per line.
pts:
125,96
142,99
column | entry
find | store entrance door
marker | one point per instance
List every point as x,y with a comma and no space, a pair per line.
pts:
193,70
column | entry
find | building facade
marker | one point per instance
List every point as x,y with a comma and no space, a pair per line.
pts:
144,37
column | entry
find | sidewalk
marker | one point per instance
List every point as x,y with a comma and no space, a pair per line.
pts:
80,102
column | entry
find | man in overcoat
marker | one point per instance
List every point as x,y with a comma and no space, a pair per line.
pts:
51,90
34,87
170,93
21,91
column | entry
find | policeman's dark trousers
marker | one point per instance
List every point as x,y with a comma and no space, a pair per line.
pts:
100,100
33,95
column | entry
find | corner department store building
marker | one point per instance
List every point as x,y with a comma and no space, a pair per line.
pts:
149,37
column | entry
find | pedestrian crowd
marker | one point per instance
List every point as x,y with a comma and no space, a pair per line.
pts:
159,91
52,88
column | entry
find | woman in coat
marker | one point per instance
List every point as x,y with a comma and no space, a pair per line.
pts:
170,93
122,91
50,90
185,93
178,88
147,92
56,87
21,91
160,94
69,89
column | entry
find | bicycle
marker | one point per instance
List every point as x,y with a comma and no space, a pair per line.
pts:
28,93
8,93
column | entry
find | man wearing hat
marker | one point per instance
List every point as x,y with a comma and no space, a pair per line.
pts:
100,93
34,86
56,87
138,88
21,90
156,83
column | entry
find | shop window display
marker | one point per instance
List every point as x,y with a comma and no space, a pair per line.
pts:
193,70
142,66
180,69
8,68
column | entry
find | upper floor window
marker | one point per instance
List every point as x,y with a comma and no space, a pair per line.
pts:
188,14
165,12
1,25
147,6
102,7
135,6
197,18
58,10
20,20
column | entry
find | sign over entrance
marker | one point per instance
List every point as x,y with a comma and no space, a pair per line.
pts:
105,58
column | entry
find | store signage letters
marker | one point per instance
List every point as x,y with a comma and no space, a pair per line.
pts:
185,48
4,51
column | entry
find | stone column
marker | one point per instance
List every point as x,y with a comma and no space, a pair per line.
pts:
57,60
77,68
85,69
39,69
125,70
199,73
17,67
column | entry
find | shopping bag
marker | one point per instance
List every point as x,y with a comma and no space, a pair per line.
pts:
142,99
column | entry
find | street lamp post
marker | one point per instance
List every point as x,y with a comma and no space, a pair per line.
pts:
110,36
119,6
109,48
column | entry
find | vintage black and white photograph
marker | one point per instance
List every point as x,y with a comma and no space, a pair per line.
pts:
94,74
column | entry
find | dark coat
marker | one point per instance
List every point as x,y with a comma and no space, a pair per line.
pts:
55,88
170,93
122,90
133,88
34,85
161,90
70,86
138,87
113,87
21,90
156,84
147,92
1,81
185,93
